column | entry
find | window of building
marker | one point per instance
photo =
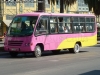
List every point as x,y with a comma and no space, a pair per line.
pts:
79,8
87,9
58,3
81,3
47,4
9,17
11,3
29,3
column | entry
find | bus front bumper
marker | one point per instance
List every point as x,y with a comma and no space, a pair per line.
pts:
19,49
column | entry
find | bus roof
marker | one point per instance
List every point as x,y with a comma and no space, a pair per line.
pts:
55,14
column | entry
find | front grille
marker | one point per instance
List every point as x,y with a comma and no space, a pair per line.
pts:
15,43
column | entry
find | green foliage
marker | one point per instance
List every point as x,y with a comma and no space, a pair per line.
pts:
93,5
52,1
69,2
63,3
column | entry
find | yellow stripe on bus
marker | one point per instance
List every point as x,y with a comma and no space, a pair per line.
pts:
85,41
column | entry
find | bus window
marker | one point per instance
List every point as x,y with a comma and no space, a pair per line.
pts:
60,24
64,24
53,25
67,23
42,26
82,24
76,25
89,24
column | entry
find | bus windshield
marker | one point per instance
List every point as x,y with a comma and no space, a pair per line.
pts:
22,26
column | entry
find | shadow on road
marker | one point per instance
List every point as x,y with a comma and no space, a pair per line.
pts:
1,49
98,45
94,72
30,55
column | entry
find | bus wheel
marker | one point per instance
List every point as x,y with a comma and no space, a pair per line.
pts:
37,51
55,51
76,49
13,54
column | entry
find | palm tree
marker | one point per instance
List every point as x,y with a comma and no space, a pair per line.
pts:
63,3
93,5
41,4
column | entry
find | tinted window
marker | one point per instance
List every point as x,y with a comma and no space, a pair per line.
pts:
53,25
42,26
90,24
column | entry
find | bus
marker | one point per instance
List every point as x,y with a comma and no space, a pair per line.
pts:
36,32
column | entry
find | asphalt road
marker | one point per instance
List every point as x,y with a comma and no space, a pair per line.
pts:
87,62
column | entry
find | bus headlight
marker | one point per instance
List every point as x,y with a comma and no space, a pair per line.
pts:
28,44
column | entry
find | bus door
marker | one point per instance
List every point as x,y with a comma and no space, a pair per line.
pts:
42,32
52,38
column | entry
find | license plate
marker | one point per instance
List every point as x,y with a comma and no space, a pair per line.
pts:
13,49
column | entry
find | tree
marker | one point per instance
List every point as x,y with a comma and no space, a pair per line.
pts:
63,3
41,4
94,5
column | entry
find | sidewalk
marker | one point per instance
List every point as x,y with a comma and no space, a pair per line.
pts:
98,42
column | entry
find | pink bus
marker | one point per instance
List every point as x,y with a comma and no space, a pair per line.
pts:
37,32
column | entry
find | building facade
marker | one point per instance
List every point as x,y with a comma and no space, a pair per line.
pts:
10,8
82,7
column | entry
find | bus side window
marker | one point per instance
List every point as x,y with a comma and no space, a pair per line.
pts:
61,28
89,28
53,25
42,26
53,28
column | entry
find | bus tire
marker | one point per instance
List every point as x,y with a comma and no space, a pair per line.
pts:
37,51
76,49
13,54
55,51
